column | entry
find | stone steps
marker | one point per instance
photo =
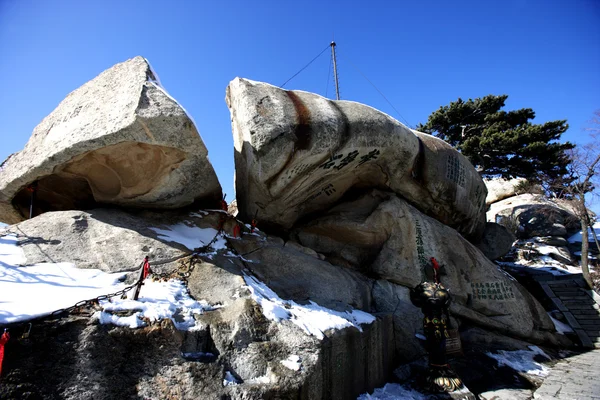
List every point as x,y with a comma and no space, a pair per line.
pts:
579,306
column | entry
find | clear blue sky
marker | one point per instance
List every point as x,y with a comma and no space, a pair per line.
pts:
545,54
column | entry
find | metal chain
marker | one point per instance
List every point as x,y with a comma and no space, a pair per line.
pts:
182,273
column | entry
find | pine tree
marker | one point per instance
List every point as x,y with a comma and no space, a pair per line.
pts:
501,142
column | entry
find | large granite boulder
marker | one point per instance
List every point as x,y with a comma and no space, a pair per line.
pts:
497,241
529,215
118,139
500,188
385,237
298,153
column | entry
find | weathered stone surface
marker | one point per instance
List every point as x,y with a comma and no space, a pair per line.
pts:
530,215
497,241
500,188
298,153
118,139
244,342
301,277
400,240
408,319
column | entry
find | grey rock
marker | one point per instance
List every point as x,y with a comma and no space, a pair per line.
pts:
500,188
529,216
496,242
298,153
118,139
149,362
399,241
408,319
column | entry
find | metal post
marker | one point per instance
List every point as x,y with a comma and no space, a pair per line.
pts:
337,87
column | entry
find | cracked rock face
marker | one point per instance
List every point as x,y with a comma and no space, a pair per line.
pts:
118,139
298,153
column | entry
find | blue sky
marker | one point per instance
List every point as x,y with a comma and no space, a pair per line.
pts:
545,54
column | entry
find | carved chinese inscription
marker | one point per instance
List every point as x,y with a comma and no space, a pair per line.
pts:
455,171
492,291
328,190
341,160
420,247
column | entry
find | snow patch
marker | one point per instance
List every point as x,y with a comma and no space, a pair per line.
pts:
157,301
38,290
311,318
230,380
560,327
191,237
394,391
522,360
578,237
293,362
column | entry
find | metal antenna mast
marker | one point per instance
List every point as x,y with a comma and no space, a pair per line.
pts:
337,87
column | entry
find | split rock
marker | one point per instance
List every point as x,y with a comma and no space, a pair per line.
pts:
118,139
298,153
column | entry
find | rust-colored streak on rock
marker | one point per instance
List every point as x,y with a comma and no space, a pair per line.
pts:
303,130
418,170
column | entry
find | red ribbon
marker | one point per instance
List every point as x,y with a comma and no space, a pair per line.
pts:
253,225
223,205
436,268
146,268
3,339
236,231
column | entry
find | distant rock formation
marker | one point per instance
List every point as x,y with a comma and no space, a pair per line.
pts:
298,153
500,189
118,139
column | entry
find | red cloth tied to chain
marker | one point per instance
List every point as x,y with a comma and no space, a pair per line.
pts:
3,339
146,268
223,205
236,231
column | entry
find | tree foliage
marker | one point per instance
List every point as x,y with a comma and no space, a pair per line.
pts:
501,142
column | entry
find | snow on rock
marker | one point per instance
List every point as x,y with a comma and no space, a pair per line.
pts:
394,391
230,380
191,236
312,318
38,290
561,327
522,360
293,362
157,301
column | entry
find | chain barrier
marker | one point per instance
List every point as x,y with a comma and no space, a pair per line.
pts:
183,273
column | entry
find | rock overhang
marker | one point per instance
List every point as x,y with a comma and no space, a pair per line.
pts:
118,139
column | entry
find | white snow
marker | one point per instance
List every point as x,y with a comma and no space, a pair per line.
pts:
157,301
312,318
39,289
260,379
522,360
393,391
229,379
191,236
293,362
561,327
578,237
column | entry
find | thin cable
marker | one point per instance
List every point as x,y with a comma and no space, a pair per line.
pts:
311,61
382,95
328,75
